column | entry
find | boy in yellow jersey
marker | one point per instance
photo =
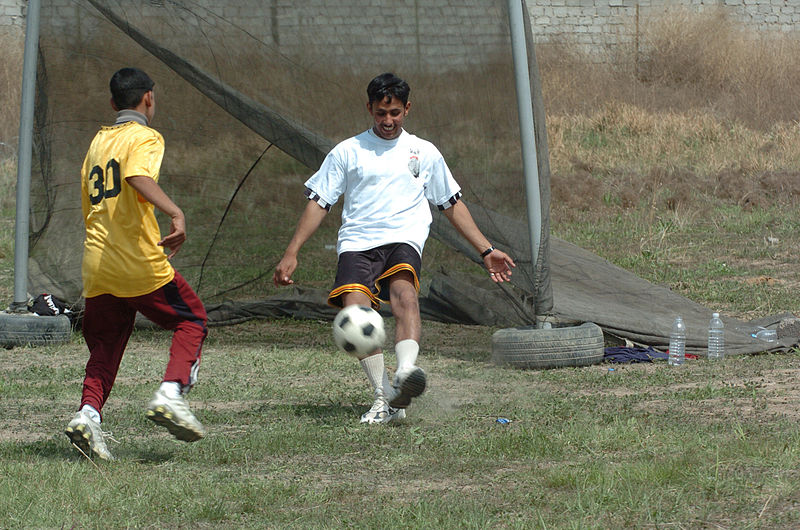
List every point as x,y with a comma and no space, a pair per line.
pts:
125,268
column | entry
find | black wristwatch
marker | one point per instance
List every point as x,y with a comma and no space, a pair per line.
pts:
487,252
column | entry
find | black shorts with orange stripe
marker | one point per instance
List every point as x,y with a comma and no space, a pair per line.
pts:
369,271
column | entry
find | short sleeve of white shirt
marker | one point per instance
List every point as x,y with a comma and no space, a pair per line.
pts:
329,182
441,189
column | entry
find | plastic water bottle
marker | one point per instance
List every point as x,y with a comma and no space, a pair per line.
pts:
677,343
716,339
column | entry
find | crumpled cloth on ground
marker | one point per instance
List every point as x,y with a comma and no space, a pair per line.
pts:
623,354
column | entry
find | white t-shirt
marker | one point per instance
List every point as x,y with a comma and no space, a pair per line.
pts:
386,186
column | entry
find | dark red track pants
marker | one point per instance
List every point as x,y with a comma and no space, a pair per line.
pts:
108,323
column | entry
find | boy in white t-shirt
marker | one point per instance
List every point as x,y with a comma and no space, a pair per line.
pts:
387,177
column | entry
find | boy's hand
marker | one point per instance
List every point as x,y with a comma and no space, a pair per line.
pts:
152,192
284,270
499,265
176,236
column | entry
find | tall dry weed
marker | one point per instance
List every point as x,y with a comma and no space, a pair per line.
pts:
11,52
11,44
706,108
686,61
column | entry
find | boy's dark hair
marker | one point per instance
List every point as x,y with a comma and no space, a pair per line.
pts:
128,85
387,86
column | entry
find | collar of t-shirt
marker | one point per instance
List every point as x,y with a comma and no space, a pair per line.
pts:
377,138
127,115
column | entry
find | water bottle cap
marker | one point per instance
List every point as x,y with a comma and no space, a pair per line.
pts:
715,315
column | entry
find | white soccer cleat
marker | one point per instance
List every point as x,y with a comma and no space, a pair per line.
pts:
86,435
381,412
408,383
174,414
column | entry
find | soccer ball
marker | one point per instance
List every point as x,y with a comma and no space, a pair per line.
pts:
358,330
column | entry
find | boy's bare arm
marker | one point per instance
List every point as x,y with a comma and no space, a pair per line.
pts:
497,262
152,192
309,222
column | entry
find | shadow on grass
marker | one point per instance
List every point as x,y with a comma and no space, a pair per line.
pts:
330,411
146,456
59,448
51,448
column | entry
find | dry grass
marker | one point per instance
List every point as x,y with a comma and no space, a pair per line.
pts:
750,76
706,110
660,158
11,44
687,61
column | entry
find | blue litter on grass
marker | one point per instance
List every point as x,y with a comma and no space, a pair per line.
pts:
503,421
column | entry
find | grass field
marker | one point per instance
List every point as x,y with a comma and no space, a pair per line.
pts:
710,445
664,179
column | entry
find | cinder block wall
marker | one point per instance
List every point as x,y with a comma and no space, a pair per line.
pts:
592,23
12,12
598,23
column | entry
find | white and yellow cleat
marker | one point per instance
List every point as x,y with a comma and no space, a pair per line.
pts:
408,383
381,412
175,416
86,435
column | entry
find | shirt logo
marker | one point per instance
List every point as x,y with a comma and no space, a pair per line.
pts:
413,162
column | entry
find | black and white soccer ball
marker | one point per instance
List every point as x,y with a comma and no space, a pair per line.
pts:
358,330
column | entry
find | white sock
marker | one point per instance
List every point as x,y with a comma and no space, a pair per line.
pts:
388,389
171,389
376,371
91,412
406,351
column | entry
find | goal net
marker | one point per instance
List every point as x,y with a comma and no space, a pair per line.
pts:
250,97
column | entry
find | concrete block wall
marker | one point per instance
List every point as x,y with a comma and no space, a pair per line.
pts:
12,12
592,23
423,38
604,23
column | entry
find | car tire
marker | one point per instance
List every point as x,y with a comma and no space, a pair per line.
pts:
30,329
534,348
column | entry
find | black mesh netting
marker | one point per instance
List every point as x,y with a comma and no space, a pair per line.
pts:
250,97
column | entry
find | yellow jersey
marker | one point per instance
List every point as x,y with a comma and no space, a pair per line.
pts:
121,255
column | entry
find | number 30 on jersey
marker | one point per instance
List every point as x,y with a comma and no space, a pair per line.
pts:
104,184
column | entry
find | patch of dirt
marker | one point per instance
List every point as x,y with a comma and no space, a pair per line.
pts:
772,393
